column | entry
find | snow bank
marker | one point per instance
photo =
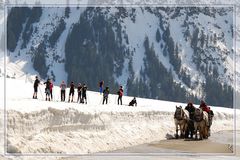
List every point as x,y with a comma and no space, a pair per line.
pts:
37,126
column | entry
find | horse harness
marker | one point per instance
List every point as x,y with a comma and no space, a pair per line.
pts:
198,118
179,117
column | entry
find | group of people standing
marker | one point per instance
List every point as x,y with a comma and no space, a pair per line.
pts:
48,89
106,92
81,92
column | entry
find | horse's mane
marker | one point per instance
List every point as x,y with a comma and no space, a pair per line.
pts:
183,113
198,114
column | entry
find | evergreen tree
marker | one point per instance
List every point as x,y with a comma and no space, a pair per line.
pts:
158,36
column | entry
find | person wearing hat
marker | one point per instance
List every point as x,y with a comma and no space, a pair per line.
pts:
35,87
204,107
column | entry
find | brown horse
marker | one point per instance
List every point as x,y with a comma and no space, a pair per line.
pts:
201,123
181,118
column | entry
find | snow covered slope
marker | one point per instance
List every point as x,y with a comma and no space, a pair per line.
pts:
37,126
190,45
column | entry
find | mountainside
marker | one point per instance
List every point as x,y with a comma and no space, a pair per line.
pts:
169,53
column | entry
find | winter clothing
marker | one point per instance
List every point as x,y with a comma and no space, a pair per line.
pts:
105,95
51,87
101,86
120,94
191,109
190,129
84,94
63,87
47,89
204,107
71,91
35,87
133,102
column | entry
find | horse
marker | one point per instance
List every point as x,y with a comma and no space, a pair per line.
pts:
181,118
201,123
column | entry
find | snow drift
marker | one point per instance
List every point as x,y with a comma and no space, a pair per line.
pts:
37,126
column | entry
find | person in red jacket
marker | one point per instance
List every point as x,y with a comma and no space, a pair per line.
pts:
51,89
120,94
204,107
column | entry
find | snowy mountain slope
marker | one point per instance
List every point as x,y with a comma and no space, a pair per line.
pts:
37,126
195,45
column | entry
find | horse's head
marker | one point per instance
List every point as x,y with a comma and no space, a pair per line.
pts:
178,112
198,114
198,111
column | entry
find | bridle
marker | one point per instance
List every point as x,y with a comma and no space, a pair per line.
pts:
198,117
181,114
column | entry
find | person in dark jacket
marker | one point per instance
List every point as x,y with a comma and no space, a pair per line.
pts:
120,94
101,86
105,95
79,89
63,87
133,102
190,130
84,94
47,89
35,87
51,90
71,92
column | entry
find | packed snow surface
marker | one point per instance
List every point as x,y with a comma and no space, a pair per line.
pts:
38,126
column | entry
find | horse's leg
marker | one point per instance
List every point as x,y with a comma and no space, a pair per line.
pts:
206,132
181,130
196,130
201,132
186,130
176,131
